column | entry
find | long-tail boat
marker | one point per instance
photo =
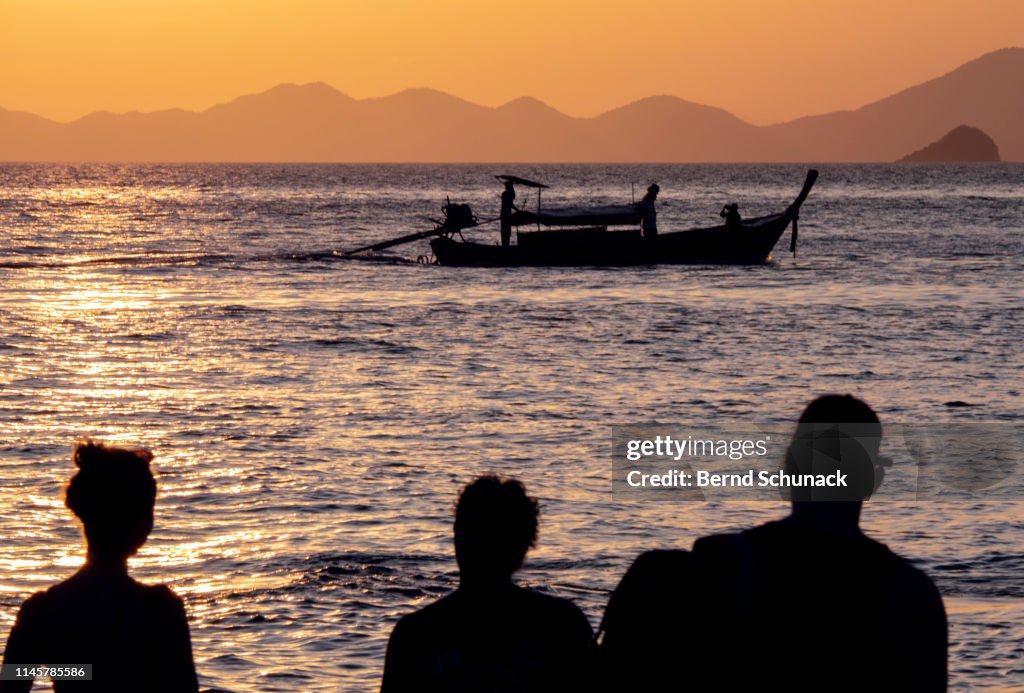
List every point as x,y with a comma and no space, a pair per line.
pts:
609,236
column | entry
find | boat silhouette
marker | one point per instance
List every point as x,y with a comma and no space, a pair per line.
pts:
608,236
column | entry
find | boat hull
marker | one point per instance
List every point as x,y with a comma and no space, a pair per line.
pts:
749,244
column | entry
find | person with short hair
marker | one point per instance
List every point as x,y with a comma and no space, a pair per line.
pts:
805,603
136,636
490,634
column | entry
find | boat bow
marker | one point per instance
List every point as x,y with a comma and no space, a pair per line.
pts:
793,211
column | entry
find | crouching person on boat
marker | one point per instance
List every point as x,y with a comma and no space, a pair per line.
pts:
648,213
731,214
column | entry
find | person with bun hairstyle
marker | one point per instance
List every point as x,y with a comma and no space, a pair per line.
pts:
135,636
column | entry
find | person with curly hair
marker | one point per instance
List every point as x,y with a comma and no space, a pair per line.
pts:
490,634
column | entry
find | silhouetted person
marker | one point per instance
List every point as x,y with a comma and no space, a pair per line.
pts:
648,213
508,198
731,214
136,636
807,603
647,643
490,634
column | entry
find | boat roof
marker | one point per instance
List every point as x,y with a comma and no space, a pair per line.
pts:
520,181
605,215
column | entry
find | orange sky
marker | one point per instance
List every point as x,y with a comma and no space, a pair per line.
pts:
764,60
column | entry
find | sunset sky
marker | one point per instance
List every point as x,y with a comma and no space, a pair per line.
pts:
764,61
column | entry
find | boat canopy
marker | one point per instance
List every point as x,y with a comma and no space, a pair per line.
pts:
520,181
608,215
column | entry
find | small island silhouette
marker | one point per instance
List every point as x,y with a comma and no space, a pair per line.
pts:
962,144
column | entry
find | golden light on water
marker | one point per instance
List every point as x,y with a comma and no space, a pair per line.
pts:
313,418
101,302
16,564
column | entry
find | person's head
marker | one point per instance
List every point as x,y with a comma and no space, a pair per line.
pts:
495,525
652,192
113,494
836,434
509,185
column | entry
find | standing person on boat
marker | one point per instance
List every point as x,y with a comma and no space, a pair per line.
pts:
135,636
490,634
508,198
648,214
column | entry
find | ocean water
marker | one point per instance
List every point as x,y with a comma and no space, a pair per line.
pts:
314,416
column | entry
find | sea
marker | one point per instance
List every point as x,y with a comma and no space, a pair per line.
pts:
314,416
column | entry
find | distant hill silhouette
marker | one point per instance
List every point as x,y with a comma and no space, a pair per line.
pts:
961,144
317,123
985,92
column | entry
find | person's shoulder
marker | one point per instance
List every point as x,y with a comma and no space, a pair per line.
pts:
424,618
560,614
429,624
162,600
42,596
907,575
160,592
911,585
40,608
714,542
657,558
899,570
36,604
652,575
659,564
54,597
719,547
548,602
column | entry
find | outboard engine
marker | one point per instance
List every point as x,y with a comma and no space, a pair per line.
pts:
458,216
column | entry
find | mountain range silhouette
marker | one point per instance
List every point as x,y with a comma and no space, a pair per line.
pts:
317,123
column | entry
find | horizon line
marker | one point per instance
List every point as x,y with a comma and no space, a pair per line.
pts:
211,162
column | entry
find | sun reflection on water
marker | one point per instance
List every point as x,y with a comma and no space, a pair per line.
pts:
314,418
